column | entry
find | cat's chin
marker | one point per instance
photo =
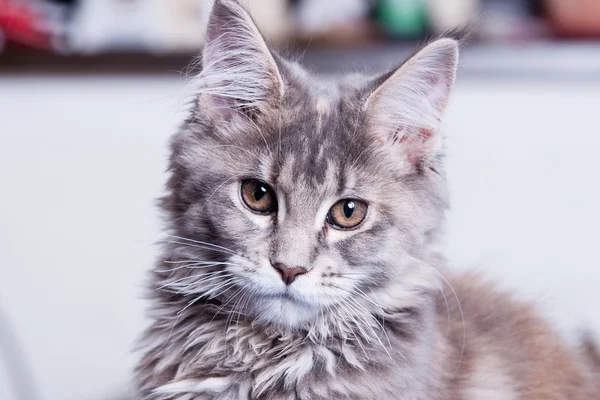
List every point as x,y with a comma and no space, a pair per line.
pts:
286,311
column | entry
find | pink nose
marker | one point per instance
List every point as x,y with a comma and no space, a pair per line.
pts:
288,274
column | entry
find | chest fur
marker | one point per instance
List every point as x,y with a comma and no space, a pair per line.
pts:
248,365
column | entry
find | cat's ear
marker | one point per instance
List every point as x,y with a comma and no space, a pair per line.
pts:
406,108
239,74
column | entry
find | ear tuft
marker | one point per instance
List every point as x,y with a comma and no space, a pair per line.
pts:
408,106
239,72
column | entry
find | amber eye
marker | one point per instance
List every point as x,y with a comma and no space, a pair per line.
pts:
258,196
347,214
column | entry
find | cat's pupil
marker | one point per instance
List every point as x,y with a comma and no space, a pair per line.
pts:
349,208
259,192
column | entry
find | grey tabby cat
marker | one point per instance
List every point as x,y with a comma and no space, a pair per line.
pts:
303,259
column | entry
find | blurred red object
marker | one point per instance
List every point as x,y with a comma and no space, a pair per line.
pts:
21,23
574,18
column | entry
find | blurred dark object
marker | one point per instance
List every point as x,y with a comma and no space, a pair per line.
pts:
67,7
28,61
24,24
537,8
574,18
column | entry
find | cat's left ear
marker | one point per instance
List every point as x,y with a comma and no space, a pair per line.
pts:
406,109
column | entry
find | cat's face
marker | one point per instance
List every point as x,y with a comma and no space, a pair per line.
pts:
309,194
317,193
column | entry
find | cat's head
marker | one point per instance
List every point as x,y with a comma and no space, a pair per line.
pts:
291,196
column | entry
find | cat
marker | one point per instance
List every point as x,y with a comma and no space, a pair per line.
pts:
303,260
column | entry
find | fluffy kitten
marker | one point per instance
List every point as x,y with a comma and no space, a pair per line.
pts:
303,263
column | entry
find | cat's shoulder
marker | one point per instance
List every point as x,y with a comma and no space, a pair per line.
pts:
485,308
496,336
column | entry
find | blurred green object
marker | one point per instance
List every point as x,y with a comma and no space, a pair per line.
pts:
405,19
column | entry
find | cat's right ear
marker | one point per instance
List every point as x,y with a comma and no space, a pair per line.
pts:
239,75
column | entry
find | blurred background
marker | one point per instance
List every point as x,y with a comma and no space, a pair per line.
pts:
91,90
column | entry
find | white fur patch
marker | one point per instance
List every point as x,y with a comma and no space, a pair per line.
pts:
323,106
489,380
214,385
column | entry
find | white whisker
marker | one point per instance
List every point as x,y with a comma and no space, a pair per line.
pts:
359,342
196,265
363,295
205,278
203,243
365,311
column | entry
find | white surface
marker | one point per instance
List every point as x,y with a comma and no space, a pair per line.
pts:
82,160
